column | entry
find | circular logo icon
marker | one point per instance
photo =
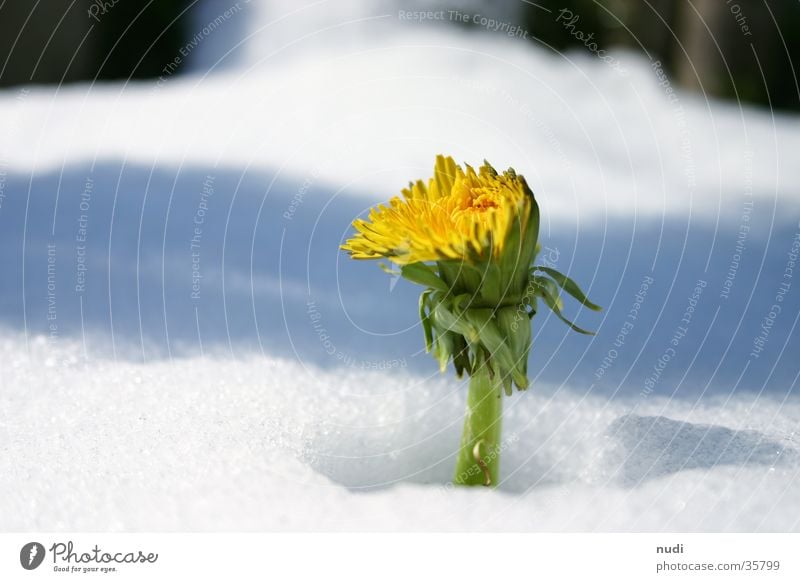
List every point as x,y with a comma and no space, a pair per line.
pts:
31,555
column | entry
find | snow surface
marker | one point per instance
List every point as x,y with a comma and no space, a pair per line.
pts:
261,443
148,410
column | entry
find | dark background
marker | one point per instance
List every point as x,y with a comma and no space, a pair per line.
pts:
701,44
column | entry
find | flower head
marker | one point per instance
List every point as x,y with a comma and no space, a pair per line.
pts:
461,214
470,237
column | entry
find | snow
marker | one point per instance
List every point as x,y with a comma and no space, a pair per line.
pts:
259,443
149,409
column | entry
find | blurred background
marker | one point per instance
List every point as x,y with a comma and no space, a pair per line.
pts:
699,43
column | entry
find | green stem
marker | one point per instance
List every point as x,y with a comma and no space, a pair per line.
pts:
479,457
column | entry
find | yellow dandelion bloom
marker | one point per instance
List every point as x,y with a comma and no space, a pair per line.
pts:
460,215
471,238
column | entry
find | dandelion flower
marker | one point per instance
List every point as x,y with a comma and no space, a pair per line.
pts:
471,237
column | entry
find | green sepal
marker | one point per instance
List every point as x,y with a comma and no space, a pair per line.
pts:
569,286
508,388
530,244
443,348
491,281
444,320
548,290
461,356
520,248
545,284
516,325
496,344
425,319
423,274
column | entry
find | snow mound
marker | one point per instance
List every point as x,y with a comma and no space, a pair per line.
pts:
257,443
